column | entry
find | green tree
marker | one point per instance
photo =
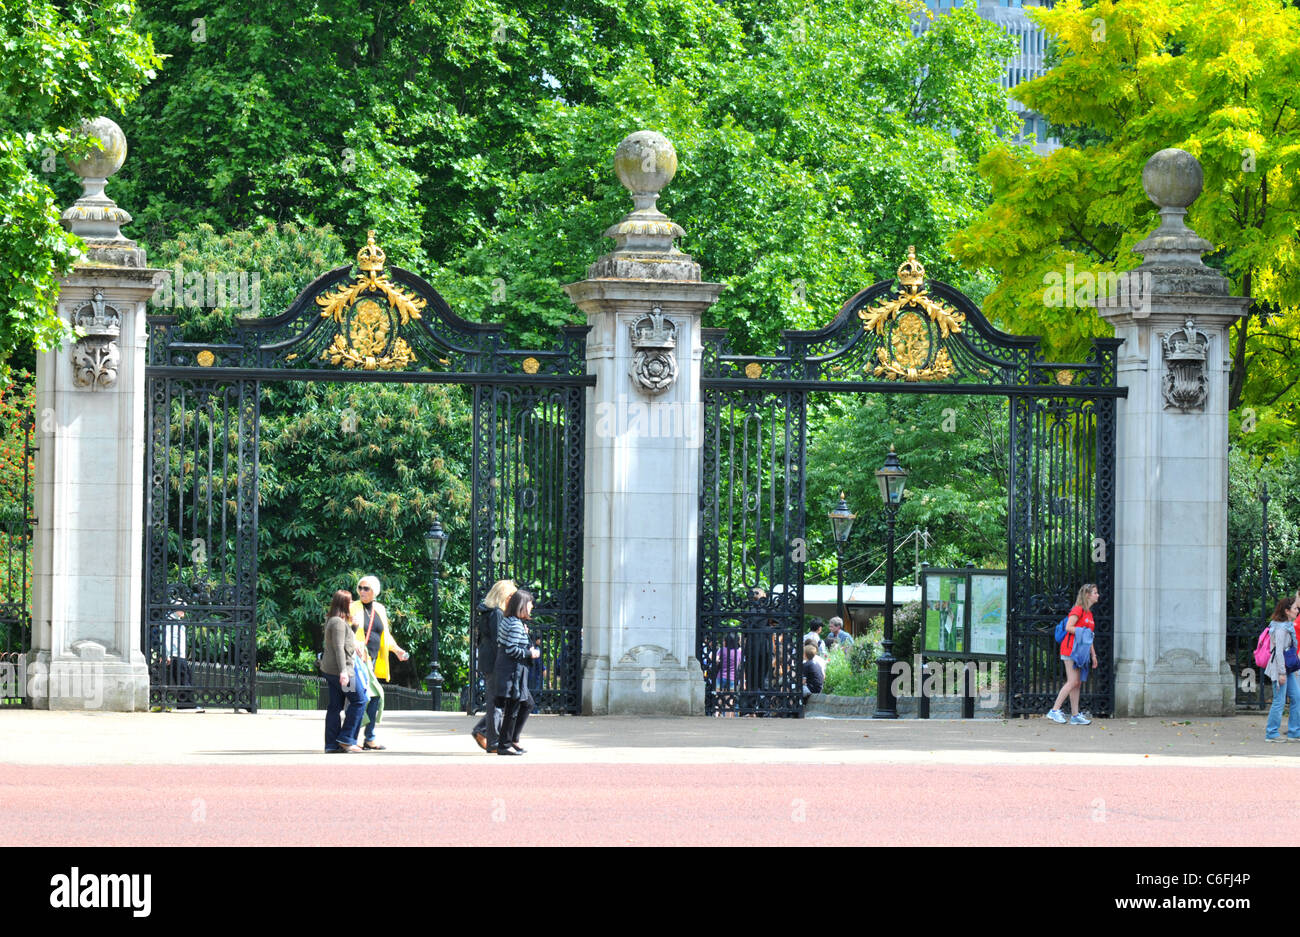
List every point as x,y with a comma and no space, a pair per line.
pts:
955,451
477,139
1214,80
60,63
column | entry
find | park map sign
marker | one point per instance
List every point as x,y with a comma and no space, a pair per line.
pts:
965,613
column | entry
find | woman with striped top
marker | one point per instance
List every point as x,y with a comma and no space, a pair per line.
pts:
513,653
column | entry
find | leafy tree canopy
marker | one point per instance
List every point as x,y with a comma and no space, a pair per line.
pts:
814,145
1130,80
60,62
955,452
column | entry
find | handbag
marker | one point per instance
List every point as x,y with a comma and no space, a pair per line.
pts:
360,679
1292,660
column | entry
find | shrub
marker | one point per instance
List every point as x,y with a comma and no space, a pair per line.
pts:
863,653
843,680
907,626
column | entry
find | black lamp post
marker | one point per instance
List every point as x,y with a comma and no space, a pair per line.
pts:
892,478
435,543
841,523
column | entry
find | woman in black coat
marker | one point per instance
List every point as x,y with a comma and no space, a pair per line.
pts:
513,654
490,612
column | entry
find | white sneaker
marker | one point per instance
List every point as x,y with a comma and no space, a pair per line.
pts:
1056,716
1079,719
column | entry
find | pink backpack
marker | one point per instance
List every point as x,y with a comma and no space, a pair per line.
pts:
1263,647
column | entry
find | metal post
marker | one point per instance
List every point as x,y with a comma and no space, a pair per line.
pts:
968,690
839,581
434,678
886,705
923,702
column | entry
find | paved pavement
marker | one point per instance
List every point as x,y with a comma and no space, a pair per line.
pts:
283,737
81,778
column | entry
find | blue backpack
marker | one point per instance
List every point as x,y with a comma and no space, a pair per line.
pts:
1060,629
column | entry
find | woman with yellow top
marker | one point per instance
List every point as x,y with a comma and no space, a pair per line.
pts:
370,618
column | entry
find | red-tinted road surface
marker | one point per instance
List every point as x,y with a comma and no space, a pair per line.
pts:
638,804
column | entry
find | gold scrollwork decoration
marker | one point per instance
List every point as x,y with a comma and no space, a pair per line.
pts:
909,350
368,326
907,347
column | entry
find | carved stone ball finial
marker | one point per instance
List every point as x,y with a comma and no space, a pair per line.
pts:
90,161
645,162
1172,178
95,216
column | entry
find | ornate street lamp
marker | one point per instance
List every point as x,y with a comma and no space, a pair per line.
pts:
435,544
841,523
892,478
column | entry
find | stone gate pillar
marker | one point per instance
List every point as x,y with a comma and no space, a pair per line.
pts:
644,422
1170,598
87,584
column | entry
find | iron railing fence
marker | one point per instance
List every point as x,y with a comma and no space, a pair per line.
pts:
1261,569
307,691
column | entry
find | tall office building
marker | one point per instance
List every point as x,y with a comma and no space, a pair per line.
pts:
1025,64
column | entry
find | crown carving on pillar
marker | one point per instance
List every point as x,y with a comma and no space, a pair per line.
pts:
96,357
1186,383
654,340
654,331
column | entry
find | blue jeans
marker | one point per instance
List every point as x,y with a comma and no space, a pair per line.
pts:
351,719
1281,692
374,703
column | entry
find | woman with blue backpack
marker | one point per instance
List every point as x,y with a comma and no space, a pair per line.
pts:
1080,618
1282,666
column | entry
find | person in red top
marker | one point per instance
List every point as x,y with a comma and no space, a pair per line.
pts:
1080,617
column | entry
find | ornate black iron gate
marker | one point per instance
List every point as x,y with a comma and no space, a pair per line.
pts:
201,541
201,502
911,338
527,516
16,524
1262,568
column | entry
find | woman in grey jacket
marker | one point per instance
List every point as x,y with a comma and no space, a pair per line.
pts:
1282,636
338,664
513,653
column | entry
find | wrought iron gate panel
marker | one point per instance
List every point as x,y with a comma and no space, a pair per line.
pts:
919,336
1062,520
362,323
752,522
16,526
527,515
1260,571
201,543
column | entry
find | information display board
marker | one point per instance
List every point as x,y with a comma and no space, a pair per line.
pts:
964,613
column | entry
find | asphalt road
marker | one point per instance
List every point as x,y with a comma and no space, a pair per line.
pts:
79,779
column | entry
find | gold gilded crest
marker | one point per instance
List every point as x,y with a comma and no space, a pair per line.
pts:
370,312
906,352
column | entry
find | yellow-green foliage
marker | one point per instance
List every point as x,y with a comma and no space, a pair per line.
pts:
1217,80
